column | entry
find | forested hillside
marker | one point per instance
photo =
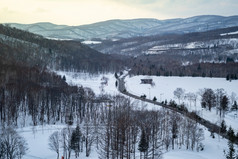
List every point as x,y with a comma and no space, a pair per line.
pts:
171,65
34,50
29,88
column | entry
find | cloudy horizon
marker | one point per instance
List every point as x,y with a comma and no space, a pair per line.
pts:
79,12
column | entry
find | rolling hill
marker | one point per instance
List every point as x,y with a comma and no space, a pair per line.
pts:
117,29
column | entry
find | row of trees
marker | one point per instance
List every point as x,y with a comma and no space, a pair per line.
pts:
118,129
219,100
180,65
209,99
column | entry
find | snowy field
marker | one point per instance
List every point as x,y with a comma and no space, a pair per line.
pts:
92,81
37,138
165,86
95,83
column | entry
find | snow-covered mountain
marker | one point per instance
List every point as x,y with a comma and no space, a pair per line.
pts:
117,29
220,41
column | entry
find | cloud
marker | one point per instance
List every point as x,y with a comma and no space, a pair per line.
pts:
75,12
188,8
137,2
41,10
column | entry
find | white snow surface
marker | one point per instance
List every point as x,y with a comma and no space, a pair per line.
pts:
88,42
213,149
91,81
94,82
165,86
233,42
163,89
37,138
231,33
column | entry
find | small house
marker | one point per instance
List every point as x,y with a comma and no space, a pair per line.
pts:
146,81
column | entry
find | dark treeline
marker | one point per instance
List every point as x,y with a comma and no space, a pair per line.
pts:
42,95
34,50
170,65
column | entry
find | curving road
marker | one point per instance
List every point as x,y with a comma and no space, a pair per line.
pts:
192,115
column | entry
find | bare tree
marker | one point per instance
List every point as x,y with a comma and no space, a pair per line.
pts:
233,97
12,145
179,93
89,137
54,142
174,121
66,134
199,137
219,95
191,98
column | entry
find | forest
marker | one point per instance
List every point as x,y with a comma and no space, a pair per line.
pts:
29,49
31,94
170,65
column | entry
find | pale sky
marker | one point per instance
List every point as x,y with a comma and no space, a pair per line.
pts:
78,12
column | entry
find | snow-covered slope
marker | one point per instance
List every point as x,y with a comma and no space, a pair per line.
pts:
130,28
231,43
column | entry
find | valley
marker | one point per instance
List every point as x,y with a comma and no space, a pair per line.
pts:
216,145
140,88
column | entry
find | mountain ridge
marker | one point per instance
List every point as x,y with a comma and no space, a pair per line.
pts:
117,28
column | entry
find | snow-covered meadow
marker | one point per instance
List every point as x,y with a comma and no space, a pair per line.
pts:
95,82
37,137
165,86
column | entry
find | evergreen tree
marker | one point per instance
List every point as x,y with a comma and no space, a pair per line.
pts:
228,77
231,134
76,140
223,126
64,78
224,103
237,136
231,153
143,144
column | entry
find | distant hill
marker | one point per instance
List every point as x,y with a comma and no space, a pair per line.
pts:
225,39
117,29
28,49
